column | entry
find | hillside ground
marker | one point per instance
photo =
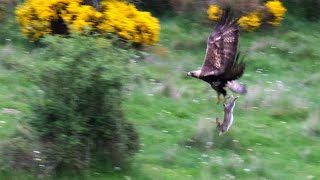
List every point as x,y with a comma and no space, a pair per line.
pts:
276,130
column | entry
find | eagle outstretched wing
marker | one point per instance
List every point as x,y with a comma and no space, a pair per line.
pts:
235,70
221,46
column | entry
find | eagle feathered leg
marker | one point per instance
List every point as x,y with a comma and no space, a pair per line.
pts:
224,93
219,99
225,98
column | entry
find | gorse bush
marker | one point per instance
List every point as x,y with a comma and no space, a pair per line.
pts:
271,12
251,21
129,23
276,10
214,12
79,17
78,117
40,17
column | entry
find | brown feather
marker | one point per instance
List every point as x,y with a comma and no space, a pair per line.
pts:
221,47
235,71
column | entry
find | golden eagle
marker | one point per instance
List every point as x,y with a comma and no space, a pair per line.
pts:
221,66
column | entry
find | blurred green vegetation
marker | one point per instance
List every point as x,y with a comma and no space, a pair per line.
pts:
276,130
307,9
77,119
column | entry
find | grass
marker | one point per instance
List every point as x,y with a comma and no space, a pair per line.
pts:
276,130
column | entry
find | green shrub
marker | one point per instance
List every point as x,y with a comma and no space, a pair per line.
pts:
77,116
307,8
162,7
311,9
157,7
9,29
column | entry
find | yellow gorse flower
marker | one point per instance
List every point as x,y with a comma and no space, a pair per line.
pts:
251,21
36,17
214,12
254,20
124,19
276,8
79,17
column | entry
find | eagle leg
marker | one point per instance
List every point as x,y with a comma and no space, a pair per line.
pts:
218,98
225,99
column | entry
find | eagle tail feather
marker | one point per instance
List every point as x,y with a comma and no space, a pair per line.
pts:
237,87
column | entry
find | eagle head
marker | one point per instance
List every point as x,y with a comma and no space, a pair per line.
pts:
194,73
